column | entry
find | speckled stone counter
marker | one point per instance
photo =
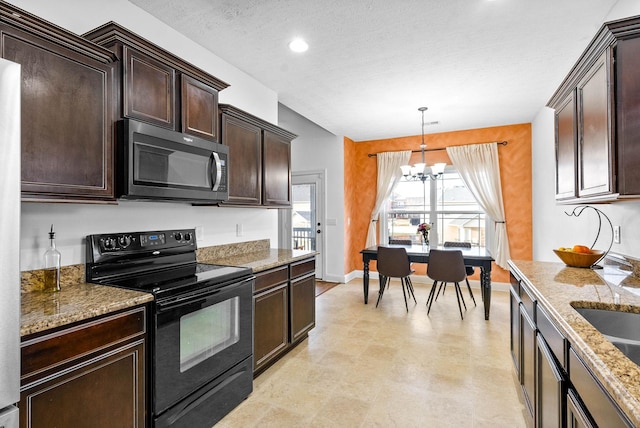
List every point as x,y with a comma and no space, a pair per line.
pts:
259,260
559,289
76,301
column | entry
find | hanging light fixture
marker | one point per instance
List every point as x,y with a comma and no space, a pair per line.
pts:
420,171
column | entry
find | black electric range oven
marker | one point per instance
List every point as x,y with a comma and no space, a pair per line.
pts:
201,326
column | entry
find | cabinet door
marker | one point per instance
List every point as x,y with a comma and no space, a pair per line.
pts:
199,109
596,400
516,339
277,170
595,143
245,160
149,89
271,324
577,417
550,388
108,392
627,121
528,333
66,108
303,306
565,118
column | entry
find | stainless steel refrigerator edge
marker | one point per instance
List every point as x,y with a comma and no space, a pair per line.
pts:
10,249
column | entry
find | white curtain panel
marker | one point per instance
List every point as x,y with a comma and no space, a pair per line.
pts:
478,167
389,174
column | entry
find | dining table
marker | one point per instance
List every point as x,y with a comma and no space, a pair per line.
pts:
474,256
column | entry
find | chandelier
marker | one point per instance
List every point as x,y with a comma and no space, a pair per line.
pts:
421,171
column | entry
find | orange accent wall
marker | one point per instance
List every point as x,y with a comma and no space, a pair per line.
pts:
360,173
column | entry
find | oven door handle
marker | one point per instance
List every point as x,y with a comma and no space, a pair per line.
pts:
183,299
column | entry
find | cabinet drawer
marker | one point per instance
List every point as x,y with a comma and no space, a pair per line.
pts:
528,301
271,277
552,336
515,283
303,267
55,349
603,411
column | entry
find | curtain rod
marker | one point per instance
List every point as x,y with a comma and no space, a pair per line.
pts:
502,143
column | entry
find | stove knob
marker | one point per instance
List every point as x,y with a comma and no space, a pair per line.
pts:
178,236
109,243
187,236
124,241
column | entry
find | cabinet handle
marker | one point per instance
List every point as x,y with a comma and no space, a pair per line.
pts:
217,171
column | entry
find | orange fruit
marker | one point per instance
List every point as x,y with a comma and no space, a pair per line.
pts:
582,249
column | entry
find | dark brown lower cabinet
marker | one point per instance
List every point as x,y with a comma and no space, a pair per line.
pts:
303,308
527,364
88,375
271,324
550,388
285,310
559,389
514,309
604,412
577,416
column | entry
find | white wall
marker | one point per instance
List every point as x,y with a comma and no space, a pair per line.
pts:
623,9
551,227
316,149
74,221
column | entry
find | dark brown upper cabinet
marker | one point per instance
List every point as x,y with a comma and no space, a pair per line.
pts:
597,119
276,169
158,87
566,159
67,96
259,159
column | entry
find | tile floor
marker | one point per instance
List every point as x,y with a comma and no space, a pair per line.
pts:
364,366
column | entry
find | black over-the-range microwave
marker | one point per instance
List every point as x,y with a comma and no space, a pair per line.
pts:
161,164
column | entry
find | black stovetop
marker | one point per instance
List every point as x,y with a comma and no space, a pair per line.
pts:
180,279
158,262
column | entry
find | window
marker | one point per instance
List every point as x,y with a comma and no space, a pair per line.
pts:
445,203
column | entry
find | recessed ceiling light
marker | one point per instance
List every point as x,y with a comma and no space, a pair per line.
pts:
298,45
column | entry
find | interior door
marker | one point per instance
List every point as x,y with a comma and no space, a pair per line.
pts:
306,220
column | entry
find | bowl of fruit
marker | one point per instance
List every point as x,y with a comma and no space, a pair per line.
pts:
579,256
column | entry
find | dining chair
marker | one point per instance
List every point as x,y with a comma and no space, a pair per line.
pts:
446,266
394,263
470,269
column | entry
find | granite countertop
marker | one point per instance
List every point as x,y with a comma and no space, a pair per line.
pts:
42,311
557,288
78,300
259,260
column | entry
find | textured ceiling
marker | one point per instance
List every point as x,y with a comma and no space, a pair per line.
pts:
372,63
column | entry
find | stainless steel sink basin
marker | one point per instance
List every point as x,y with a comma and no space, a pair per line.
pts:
620,328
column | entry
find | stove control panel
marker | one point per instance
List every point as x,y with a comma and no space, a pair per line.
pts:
134,242
152,239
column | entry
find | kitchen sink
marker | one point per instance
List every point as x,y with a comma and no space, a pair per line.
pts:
620,328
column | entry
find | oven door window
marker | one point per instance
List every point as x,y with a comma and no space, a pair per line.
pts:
165,163
208,331
199,338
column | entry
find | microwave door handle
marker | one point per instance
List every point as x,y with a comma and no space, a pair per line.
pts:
216,176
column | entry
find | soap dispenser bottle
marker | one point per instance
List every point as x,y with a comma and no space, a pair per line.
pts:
52,265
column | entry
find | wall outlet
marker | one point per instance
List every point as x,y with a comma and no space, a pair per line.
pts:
199,233
239,229
616,234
